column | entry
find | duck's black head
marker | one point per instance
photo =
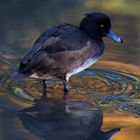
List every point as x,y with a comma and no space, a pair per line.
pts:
98,25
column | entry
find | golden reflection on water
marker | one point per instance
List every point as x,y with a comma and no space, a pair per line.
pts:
118,66
130,125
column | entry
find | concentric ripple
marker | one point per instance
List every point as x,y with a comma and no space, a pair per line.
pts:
105,88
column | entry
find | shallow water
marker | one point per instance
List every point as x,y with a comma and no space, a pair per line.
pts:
111,86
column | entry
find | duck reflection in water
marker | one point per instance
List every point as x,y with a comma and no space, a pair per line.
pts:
58,119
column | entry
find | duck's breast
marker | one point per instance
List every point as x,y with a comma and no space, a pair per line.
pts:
89,55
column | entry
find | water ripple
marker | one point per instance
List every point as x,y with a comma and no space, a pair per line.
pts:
105,88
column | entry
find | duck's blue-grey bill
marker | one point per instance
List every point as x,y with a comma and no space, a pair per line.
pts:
111,35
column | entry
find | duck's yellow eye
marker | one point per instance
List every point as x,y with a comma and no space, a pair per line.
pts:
101,25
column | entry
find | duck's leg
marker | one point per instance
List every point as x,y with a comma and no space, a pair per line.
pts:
44,88
66,88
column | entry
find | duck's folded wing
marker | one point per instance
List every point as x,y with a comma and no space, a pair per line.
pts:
64,37
41,60
37,55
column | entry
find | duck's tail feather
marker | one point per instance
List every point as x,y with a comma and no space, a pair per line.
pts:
110,133
17,76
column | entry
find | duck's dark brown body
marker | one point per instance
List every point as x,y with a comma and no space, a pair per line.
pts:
61,50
